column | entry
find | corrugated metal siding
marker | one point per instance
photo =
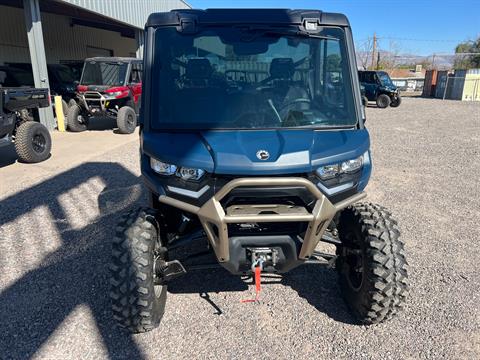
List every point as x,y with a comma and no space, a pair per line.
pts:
62,41
13,42
133,12
71,42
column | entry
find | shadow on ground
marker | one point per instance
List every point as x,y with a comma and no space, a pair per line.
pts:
97,123
318,285
76,273
102,124
315,283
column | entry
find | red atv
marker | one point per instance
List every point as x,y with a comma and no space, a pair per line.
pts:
109,86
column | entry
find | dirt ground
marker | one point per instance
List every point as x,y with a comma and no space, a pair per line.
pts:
57,219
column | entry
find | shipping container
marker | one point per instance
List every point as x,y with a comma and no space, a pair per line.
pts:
455,85
471,90
441,83
430,75
430,83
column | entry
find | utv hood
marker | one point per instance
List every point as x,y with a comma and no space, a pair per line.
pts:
235,152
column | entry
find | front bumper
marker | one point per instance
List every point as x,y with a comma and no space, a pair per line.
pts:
215,219
95,102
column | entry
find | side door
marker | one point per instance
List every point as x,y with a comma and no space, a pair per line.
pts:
370,83
135,84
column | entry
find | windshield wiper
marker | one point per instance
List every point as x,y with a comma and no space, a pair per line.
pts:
270,102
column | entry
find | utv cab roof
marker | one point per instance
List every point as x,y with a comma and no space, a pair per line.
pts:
114,59
245,16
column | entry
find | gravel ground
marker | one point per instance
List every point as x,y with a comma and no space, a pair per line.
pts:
55,242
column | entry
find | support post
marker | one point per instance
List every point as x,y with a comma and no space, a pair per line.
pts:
446,86
374,49
36,46
139,37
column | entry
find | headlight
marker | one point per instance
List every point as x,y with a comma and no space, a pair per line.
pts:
328,171
162,168
331,171
353,165
184,173
190,174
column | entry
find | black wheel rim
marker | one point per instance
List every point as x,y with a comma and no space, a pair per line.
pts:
354,263
39,143
159,265
130,121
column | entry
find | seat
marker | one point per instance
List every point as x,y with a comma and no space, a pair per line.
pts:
199,95
198,72
282,69
284,89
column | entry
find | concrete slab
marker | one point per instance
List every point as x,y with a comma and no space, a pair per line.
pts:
68,151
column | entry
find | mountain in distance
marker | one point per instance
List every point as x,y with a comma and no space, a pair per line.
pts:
444,61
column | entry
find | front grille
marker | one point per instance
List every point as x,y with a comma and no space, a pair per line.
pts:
281,195
256,229
293,196
92,95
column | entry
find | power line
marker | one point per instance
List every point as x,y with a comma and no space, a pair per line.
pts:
422,40
435,54
411,39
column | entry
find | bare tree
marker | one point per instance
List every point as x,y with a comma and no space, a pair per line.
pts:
364,53
390,59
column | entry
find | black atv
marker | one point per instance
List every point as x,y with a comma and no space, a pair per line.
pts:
61,79
31,139
380,88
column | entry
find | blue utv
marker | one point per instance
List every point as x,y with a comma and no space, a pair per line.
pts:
254,150
377,86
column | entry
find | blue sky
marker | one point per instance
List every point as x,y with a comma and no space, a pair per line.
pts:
420,27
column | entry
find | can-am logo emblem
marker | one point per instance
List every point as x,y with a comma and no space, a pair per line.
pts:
263,155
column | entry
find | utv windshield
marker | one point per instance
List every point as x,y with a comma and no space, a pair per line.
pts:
384,79
251,78
104,73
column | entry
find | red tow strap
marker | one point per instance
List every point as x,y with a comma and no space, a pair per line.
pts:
258,270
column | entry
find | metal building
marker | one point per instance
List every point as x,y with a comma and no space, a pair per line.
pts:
56,31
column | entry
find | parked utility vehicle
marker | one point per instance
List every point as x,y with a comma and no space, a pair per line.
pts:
380,88
31,139
258,168
60,77
109,87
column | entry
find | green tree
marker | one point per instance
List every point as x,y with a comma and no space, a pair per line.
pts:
334,62
468,61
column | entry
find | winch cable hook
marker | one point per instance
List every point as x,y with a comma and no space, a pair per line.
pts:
257,267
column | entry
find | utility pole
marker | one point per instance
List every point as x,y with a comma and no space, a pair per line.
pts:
374,49
433,61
